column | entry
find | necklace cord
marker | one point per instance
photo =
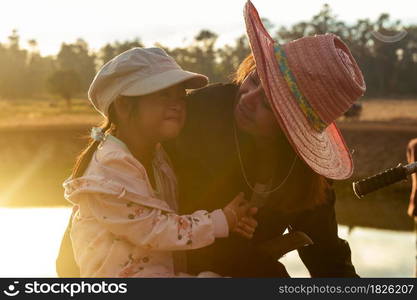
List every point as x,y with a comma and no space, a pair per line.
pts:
244,173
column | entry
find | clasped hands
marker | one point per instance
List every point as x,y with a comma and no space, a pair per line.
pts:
240,216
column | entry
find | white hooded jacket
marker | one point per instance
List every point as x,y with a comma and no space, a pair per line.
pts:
123,227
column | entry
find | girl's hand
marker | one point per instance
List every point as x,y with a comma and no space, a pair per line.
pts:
235,210
247,224
240,216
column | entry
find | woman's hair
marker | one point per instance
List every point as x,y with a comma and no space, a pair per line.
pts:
109,126
244,69
304,189
316,185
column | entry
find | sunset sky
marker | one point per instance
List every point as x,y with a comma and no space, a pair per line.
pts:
171,23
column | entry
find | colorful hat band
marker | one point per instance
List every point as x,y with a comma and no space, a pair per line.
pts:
312,117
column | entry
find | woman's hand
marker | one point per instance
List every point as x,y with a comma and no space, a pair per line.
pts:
240,216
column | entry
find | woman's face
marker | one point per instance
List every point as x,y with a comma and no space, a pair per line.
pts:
253,113
159,116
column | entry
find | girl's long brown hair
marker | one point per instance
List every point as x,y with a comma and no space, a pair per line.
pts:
304,188
84,158
109,126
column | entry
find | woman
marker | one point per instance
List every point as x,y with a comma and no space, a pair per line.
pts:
272,134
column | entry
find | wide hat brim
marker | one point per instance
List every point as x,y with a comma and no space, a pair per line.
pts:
325,152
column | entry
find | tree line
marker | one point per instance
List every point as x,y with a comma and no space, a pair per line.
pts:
390,69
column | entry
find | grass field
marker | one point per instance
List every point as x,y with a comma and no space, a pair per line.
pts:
401,110
40,141
45,112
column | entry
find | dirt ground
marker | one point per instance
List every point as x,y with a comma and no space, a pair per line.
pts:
376,146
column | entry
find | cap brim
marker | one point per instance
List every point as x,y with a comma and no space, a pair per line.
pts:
165,80
325,152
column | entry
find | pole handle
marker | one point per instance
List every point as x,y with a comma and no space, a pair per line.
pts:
383,179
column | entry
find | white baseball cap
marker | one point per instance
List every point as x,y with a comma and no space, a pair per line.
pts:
137,72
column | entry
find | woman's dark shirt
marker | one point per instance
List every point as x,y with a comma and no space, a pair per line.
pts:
208,170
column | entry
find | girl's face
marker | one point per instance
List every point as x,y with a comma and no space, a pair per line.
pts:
253,113
158,116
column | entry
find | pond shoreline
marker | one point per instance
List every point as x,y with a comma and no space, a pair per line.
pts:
376,145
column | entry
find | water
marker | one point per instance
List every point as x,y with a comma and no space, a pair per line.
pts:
375,253
31,238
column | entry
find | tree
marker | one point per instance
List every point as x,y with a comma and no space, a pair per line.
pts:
78,58
12,68
205,54
389,69
230,56
66,84
110,50
200,56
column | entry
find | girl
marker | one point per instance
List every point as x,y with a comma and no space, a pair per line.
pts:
123,187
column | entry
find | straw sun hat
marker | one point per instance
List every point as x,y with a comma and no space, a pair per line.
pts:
310,82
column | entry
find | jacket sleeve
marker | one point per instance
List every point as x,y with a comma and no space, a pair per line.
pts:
135,218
155,229
329,256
